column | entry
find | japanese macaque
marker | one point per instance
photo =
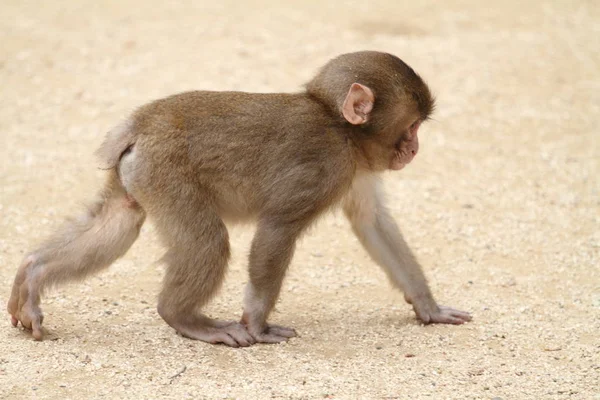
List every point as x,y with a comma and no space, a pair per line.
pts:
196,160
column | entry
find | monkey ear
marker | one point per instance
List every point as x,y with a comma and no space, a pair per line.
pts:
358,104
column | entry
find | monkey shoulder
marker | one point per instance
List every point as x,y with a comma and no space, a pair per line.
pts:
311,179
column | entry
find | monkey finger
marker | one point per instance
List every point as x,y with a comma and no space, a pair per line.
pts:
443,319
456,313
445,316
451,320
463,315
14,321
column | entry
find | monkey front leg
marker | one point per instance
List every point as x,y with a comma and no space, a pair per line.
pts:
385,244
382,239
271,252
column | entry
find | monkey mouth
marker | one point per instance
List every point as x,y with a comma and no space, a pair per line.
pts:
403,156
398,161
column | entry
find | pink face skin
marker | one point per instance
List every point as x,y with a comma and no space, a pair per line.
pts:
406,148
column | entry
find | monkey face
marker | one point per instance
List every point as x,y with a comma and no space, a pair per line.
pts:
406,147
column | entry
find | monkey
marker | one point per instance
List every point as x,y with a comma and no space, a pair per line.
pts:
197,161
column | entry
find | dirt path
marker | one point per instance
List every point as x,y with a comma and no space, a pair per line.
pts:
502,204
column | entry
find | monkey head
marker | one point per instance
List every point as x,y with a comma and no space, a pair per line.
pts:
381,99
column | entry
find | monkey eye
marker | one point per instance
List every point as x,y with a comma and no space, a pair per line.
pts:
414,125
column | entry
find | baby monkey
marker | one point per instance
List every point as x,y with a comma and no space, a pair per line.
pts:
198,160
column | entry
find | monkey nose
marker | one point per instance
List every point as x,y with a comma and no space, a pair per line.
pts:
414,148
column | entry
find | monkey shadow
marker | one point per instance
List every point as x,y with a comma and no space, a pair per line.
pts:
103,333
395,318
380,321
23,334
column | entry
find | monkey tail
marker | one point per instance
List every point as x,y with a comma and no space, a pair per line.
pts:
117,142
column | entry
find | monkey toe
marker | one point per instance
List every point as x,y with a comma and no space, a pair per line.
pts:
273,334
281,331
269,338
13,310
223,338
30,315
36,329
239,333
23,305
31,319
227,333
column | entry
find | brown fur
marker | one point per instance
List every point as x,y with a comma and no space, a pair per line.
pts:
196,160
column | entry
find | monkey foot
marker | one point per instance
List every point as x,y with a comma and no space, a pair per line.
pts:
233,335
273,334
444,315
31,318
229,333
23,305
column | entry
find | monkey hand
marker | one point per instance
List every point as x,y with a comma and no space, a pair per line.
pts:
444,315
24,302
430,312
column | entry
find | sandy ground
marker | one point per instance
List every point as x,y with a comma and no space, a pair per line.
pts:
502,204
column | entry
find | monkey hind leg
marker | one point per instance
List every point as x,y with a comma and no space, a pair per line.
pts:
82,246
196,265
271,252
